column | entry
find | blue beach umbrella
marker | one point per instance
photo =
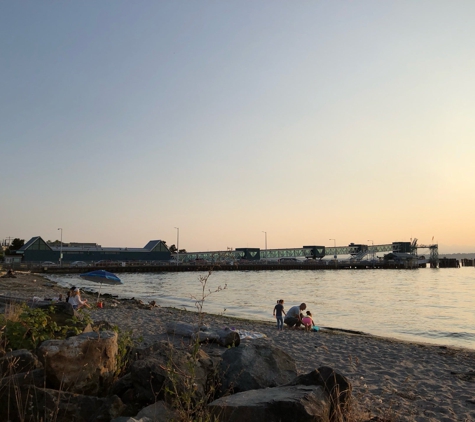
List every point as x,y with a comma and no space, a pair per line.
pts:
102,277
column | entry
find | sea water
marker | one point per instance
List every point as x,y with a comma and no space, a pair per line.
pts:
422,305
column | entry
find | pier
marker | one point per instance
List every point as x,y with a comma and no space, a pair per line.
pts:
250,266
38,256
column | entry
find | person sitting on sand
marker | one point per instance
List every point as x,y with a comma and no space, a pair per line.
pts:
76,301
293,318
70,293
278,311
307,321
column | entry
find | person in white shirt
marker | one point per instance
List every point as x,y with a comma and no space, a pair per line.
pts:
76,301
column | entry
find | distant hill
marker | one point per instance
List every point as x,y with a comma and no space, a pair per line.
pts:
457,255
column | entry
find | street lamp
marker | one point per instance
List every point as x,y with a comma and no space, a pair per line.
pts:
177,244
265,242
334,242
61,249
372,249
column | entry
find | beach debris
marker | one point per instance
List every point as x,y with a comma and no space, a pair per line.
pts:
250,335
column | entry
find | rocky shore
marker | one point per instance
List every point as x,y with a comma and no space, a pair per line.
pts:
393,380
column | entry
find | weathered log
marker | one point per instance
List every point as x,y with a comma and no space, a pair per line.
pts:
223,337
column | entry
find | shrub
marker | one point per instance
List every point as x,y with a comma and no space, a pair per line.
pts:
26,328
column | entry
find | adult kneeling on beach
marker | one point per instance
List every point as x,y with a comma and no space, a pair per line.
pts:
294,317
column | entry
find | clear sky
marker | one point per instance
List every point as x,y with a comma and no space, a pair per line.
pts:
309,120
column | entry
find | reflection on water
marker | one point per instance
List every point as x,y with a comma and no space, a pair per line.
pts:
428,305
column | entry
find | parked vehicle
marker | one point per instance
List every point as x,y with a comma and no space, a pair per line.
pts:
48,264
78,264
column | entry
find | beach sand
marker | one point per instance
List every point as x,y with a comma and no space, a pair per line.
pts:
392,379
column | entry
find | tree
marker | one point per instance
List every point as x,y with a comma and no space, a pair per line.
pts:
15,245
172,249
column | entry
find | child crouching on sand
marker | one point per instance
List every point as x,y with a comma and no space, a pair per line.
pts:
278,311
307,321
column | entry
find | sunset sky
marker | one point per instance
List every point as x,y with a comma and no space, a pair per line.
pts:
308,120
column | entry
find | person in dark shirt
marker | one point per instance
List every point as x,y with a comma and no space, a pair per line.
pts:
278,311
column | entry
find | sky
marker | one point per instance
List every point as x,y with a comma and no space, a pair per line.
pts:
238,121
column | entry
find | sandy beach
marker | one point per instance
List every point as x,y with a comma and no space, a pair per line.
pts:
392,379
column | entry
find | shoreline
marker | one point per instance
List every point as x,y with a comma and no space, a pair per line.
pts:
350,300
393,379
46,285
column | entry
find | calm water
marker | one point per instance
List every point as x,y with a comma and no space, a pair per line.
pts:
426,305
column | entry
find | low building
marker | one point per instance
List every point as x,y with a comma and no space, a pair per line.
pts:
37,250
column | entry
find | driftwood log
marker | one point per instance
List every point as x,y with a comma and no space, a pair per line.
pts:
224,337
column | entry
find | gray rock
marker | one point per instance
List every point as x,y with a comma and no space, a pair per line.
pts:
168,367
46,404
255,366
84,364
62,313
17,361
35,377
158,412
121,385
336,386
290,403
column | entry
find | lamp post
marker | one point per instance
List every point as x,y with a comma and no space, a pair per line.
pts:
265,233
177,244
334,242
61,249
372,250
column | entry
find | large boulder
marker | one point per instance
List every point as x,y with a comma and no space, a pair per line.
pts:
54,405
17,361
157,412
255,366
84,364
337,387
290,403
62,312
170,368
14,390
35,377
